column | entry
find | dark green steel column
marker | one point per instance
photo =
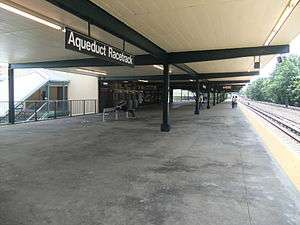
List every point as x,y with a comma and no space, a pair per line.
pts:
208,96
99,95
11,98
214,97
171,95
165,126
197,89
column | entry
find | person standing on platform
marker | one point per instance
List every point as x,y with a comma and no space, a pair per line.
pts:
233,101
200,102
130,108
135,101
140,97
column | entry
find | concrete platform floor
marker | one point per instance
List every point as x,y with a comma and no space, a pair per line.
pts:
210,169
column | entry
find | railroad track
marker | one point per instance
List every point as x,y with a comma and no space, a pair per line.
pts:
286,125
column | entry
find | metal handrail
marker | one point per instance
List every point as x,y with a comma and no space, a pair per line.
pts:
34,109
35,113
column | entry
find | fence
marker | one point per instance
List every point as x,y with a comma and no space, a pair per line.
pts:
32,110
114,113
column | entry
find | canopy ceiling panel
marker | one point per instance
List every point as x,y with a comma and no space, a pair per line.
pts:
290,30
179,25
207,24
24,40
174,25
228,65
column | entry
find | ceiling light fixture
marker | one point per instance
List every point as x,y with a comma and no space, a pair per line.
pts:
91,71
158,67
145,81
29,16
282,19
161,68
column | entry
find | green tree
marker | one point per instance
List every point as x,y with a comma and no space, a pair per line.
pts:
283,87
284,79
257,90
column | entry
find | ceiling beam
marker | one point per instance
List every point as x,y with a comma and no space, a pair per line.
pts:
191,85
86,62
225,82
230,74
201,76
97,16
177,58
221,54
139,60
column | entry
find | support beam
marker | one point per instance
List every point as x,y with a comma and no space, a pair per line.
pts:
208,96
89,11
94,14
171,95
220,54
177,58
100,108
11,98
200,76
214,97
197,89
86,62
225,82
189,85
228,74
172,58
165,126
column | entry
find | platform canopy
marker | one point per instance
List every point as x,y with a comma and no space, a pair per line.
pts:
195,36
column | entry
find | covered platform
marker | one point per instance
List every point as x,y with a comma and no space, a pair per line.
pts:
184,44
211,169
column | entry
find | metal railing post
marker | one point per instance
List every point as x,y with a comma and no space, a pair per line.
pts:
95,106
103,115
83,107
11,100
55,108
35,111
70,105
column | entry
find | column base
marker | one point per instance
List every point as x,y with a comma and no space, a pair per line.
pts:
208,107
196,112
165,127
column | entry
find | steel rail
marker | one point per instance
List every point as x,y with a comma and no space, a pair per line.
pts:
289,130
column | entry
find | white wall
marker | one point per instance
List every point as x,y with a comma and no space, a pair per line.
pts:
82,87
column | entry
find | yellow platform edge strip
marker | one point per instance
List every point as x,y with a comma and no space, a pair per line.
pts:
288,160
